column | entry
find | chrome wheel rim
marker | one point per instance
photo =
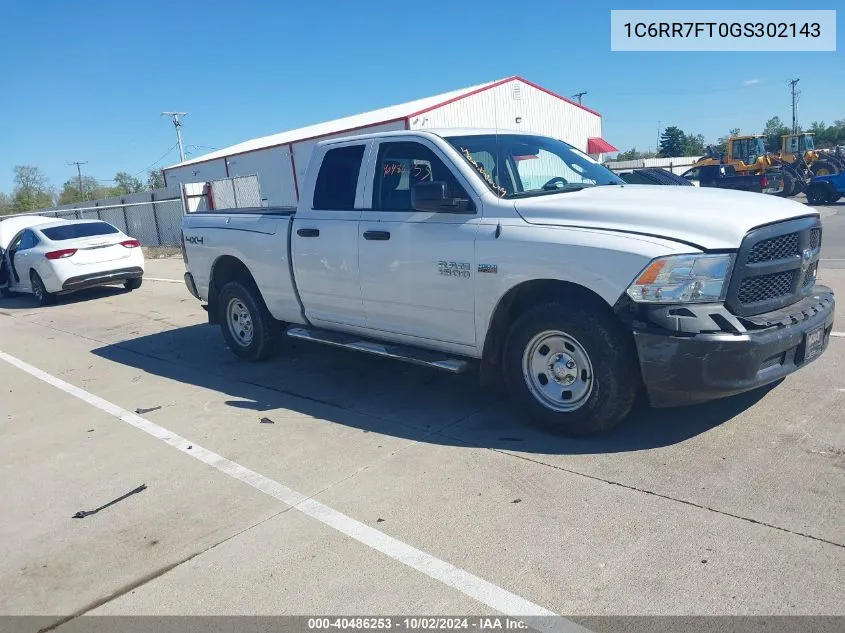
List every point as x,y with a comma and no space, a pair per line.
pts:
239,321
558,371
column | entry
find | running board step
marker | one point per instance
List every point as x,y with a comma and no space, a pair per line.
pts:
399,352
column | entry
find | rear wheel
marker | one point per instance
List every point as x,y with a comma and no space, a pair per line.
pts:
39,289
133,284
817,194
247,326
574,370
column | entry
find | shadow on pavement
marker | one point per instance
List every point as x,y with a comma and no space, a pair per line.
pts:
28,301
394,398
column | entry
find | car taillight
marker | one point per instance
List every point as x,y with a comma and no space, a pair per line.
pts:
65,252
765,182
130,243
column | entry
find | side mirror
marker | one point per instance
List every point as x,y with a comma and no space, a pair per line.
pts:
434,197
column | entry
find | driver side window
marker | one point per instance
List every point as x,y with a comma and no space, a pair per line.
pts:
400,166
16,243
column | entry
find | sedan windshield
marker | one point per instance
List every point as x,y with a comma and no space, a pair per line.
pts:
521,165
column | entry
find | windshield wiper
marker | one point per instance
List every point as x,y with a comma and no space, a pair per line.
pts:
543,192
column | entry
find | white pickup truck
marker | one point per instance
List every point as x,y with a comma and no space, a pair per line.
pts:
521,255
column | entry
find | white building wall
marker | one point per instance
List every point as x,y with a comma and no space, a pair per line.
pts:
516,106
302,150
675,164
198,172
275,175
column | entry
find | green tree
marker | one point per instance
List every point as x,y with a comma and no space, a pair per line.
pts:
693,145
774,130
155,179
126,183
633,154
672,142
5,204
32,189
91,190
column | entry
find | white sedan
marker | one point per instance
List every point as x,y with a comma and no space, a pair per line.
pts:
45,256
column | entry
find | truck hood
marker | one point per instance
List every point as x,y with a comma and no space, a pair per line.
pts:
708,218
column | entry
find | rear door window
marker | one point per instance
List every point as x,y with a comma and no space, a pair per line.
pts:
337,181
28,240
73,231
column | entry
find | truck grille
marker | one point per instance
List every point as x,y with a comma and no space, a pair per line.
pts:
763,287
774,248
775,266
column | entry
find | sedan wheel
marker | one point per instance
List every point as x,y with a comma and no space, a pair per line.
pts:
39,290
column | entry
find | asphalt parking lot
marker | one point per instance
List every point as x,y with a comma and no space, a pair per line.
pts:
327,482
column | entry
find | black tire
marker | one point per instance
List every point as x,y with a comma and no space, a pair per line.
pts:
263,340
39,290
133,284
817,194
788,185
823,168
610,350
796,181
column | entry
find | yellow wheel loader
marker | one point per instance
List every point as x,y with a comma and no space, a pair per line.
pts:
799,151
748,156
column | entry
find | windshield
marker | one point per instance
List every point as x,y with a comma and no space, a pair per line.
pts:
518,165
808,142
84,229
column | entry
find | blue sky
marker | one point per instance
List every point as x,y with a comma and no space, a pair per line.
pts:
87,80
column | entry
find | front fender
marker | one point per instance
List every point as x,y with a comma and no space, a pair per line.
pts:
602,262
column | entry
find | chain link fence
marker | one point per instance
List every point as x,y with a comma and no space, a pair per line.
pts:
238,192
154,218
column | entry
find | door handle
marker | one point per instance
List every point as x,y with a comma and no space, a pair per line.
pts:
308,232
377,235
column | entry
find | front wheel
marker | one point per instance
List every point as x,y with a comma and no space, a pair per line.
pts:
40,290
817,194
247,325
574,370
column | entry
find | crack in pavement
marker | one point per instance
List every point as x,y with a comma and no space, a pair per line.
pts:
657,494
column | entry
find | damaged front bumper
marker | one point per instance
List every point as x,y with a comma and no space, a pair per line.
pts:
694,353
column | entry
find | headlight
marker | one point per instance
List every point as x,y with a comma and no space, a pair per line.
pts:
683,279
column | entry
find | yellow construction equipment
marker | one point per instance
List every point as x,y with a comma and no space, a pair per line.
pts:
799,151
748,155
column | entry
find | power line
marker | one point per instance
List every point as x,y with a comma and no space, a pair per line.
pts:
79,175
178,125
156,162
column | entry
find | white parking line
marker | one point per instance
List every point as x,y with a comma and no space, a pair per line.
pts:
172,281
470,585
839,334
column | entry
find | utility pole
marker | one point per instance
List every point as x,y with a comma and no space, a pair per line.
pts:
578,96
79,176
793,83
657,146
178,125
